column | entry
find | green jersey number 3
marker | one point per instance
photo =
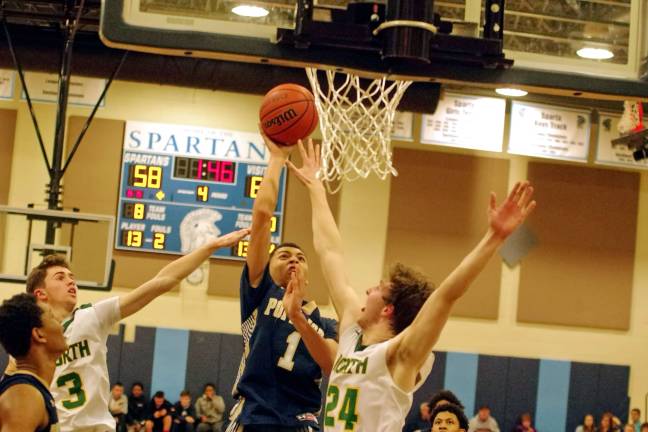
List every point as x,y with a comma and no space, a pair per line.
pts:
348,409
74,385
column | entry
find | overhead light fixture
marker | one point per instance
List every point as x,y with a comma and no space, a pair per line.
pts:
595,53
511,92
250,11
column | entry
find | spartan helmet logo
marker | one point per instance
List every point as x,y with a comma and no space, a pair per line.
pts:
197,228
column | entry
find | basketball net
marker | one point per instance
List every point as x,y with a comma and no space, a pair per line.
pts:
632,119
356,120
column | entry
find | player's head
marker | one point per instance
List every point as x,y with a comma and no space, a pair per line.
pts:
285,259
397,299
28,326
448,418
445,397
53,282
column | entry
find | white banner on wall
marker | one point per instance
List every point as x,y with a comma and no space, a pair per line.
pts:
606,153
548,131
403,124
464,121
7,80
83,91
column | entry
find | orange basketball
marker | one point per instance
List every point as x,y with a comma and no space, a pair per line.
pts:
288,114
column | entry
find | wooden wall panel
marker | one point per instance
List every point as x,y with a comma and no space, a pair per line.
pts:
437,214
581,272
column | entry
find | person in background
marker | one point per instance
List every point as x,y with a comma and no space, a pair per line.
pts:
118,406
184,415
136,417
635,419
588,424
209,410
483,422
158,414
422,422
524,424
644,427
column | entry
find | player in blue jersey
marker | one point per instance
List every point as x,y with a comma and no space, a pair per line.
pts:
31,334
278,381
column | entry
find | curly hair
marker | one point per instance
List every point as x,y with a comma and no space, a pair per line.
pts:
451,408
445,395
409,290
19,315
37,275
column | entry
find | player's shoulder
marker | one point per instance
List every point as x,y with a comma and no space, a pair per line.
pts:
83,313
19,394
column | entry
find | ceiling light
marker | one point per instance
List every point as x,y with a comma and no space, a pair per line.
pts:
512,92
250,11
595,53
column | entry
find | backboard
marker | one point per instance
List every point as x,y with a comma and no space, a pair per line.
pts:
86,241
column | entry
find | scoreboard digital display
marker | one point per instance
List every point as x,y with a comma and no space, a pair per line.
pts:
184,185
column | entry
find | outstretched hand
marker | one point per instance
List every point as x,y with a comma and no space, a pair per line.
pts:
294,295
230,239
311,163
276,150
506,218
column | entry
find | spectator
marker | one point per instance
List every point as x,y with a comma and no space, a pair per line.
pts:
422,422
158,414
635,419
483,422
444,397
524,424
209,410
184,415
136,417
609,423
118,406
629,428
448,418
588,424
644,427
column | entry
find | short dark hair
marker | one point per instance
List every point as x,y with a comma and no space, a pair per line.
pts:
446,395
209,384
118,384
454,409
137,383
159,394
185,393
636,410
409,290
19,315
37,275
285,245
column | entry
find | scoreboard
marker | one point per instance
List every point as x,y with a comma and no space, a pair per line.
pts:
184,185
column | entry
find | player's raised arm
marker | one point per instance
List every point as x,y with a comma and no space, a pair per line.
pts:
173,273
326,238
263,211
410,349
322,349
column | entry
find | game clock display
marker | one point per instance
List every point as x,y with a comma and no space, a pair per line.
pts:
182,186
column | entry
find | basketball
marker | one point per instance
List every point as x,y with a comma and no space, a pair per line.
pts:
288,114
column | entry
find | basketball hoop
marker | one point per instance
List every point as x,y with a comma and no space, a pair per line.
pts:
356,119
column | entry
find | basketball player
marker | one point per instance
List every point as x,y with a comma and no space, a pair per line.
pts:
80,386
385,350
31,334
448,418
278,382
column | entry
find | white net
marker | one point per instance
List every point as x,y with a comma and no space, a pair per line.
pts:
356,119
